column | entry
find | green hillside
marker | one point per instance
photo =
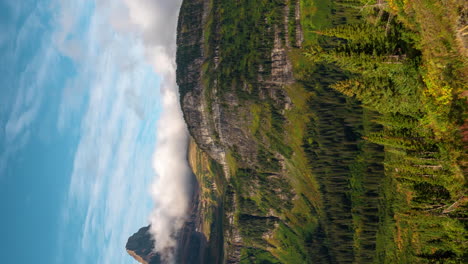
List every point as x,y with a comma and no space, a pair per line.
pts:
328,131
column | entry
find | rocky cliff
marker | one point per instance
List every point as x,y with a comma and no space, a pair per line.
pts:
234,101
219,117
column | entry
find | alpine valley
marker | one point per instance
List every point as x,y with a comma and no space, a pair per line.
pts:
323,131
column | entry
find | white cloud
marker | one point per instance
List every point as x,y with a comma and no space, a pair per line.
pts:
155,22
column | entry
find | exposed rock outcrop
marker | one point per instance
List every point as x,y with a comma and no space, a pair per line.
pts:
190,57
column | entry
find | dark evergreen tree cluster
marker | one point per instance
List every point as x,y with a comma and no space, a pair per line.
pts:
383,72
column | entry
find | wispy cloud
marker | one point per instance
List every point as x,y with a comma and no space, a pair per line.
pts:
109,188
22,82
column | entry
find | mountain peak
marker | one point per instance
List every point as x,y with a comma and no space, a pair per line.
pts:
140,246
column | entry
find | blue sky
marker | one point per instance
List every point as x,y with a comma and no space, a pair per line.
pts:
79,104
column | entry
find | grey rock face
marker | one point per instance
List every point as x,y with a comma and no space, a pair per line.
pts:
216,120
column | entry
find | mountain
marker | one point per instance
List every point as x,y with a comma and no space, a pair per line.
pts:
322,132
140,246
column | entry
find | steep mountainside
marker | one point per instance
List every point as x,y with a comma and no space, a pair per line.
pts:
236,117
314,134
239,99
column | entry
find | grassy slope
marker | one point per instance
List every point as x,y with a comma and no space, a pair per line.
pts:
211,182
210,179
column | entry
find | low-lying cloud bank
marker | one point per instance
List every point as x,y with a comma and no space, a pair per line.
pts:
156,23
